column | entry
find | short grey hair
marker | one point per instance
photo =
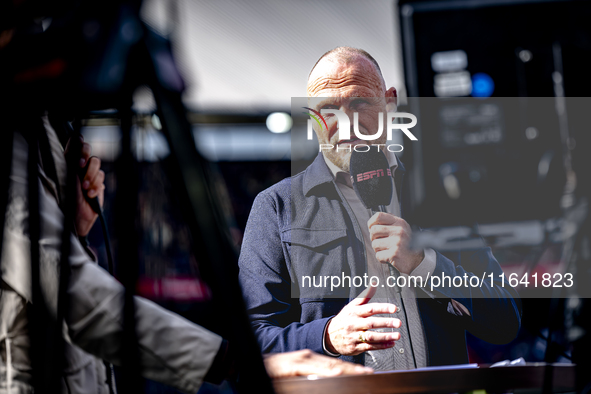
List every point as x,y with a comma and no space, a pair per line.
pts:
348,54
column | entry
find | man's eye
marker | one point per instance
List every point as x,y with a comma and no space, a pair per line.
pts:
358,103
328,107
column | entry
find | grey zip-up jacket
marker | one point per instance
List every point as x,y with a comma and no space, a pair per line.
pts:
172,349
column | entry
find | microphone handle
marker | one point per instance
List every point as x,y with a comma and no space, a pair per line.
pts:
94,203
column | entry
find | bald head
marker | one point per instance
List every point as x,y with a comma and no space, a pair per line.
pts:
346,54
346,57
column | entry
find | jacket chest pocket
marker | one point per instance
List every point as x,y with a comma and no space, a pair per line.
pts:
316,254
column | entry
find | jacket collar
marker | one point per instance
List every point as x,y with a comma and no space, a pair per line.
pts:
318,173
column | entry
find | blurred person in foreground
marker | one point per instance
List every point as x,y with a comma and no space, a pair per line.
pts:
171,349
314,225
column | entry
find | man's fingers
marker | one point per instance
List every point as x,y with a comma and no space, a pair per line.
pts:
374,337
378,231
94,166
319,365
96,185
306,362
368,310
365,296
364,347
85,153
350,369
377,322
385,257
386,243
101,196
383,218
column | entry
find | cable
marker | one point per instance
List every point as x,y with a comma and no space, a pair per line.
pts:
107,241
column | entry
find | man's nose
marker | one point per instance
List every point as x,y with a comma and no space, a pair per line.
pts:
348,110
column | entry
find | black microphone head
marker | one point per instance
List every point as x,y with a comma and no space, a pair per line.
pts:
372,178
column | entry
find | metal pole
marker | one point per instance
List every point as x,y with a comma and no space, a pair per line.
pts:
128,259
218,262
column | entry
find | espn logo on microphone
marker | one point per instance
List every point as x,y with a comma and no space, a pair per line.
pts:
364,176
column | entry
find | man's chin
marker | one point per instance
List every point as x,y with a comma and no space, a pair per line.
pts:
340,159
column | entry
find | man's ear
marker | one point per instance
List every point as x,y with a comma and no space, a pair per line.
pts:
391,99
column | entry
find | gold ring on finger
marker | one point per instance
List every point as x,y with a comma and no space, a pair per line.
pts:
361,339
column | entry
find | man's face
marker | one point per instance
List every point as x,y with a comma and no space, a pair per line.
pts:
354,86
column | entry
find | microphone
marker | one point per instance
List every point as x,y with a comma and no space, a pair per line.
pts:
372,182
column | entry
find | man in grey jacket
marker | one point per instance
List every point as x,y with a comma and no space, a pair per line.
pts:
172,350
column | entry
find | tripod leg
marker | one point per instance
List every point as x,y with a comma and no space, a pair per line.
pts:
218,262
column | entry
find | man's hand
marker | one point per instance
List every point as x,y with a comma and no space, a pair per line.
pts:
306,362
92,184
347,332
390,238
